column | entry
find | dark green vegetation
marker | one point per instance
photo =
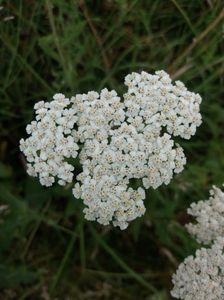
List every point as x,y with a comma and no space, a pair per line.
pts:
47,249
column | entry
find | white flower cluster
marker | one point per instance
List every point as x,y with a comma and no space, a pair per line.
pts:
201,277
122,139
209,215
162,104
50,142
106,160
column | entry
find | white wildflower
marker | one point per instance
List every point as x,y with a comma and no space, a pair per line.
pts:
201,277
122,139
209,215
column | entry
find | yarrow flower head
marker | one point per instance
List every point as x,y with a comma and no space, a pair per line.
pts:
122,139
209,217
201,277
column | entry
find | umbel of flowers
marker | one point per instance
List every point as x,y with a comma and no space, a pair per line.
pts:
116,140
201,277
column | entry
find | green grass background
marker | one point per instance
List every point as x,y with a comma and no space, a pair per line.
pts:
47,249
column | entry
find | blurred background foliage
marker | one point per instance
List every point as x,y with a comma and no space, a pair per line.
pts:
47,250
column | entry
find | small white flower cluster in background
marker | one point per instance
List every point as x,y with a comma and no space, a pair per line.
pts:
202,277
120,139
209,216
